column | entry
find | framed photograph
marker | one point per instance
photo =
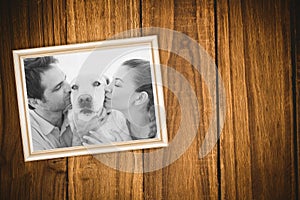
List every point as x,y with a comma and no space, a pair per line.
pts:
90,98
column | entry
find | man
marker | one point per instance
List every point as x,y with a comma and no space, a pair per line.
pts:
48,98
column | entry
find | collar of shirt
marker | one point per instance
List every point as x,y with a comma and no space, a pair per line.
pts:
45,126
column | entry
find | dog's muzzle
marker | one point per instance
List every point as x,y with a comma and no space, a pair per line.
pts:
85,101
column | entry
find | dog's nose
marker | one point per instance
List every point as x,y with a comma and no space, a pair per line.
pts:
85,100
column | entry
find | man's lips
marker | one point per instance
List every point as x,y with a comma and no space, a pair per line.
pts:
68,99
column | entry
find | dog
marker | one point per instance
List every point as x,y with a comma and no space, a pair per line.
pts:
89,114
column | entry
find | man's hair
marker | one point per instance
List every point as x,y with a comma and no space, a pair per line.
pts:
34,67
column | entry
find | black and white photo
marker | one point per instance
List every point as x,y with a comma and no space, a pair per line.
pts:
90,98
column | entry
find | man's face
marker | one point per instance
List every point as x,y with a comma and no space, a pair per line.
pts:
57,90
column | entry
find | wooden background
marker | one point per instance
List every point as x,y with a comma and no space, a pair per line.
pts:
256,46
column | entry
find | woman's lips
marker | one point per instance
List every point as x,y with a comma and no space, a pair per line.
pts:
107,96
107,99
107,103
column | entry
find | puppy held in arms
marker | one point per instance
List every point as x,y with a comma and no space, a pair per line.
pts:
89,118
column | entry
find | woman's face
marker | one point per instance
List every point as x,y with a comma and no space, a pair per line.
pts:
120,92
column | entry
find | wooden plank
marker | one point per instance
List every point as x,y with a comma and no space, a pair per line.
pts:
189,177
257,144
255,64
297,59
47,21
88,177
54,22
59,22
230,176
33,180
5,163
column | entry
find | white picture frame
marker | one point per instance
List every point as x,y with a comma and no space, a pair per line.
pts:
138,47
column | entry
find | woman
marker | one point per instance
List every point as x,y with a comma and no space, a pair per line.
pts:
131,93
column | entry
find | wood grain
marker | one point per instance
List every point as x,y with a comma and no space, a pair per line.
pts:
88,177
188,177
255,63
252,43
33,180
296,40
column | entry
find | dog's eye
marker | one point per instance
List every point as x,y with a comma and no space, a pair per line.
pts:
107,81
96,83
74,87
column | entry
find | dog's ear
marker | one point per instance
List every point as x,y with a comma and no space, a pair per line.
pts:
70,116
73,81
73,86
141,98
